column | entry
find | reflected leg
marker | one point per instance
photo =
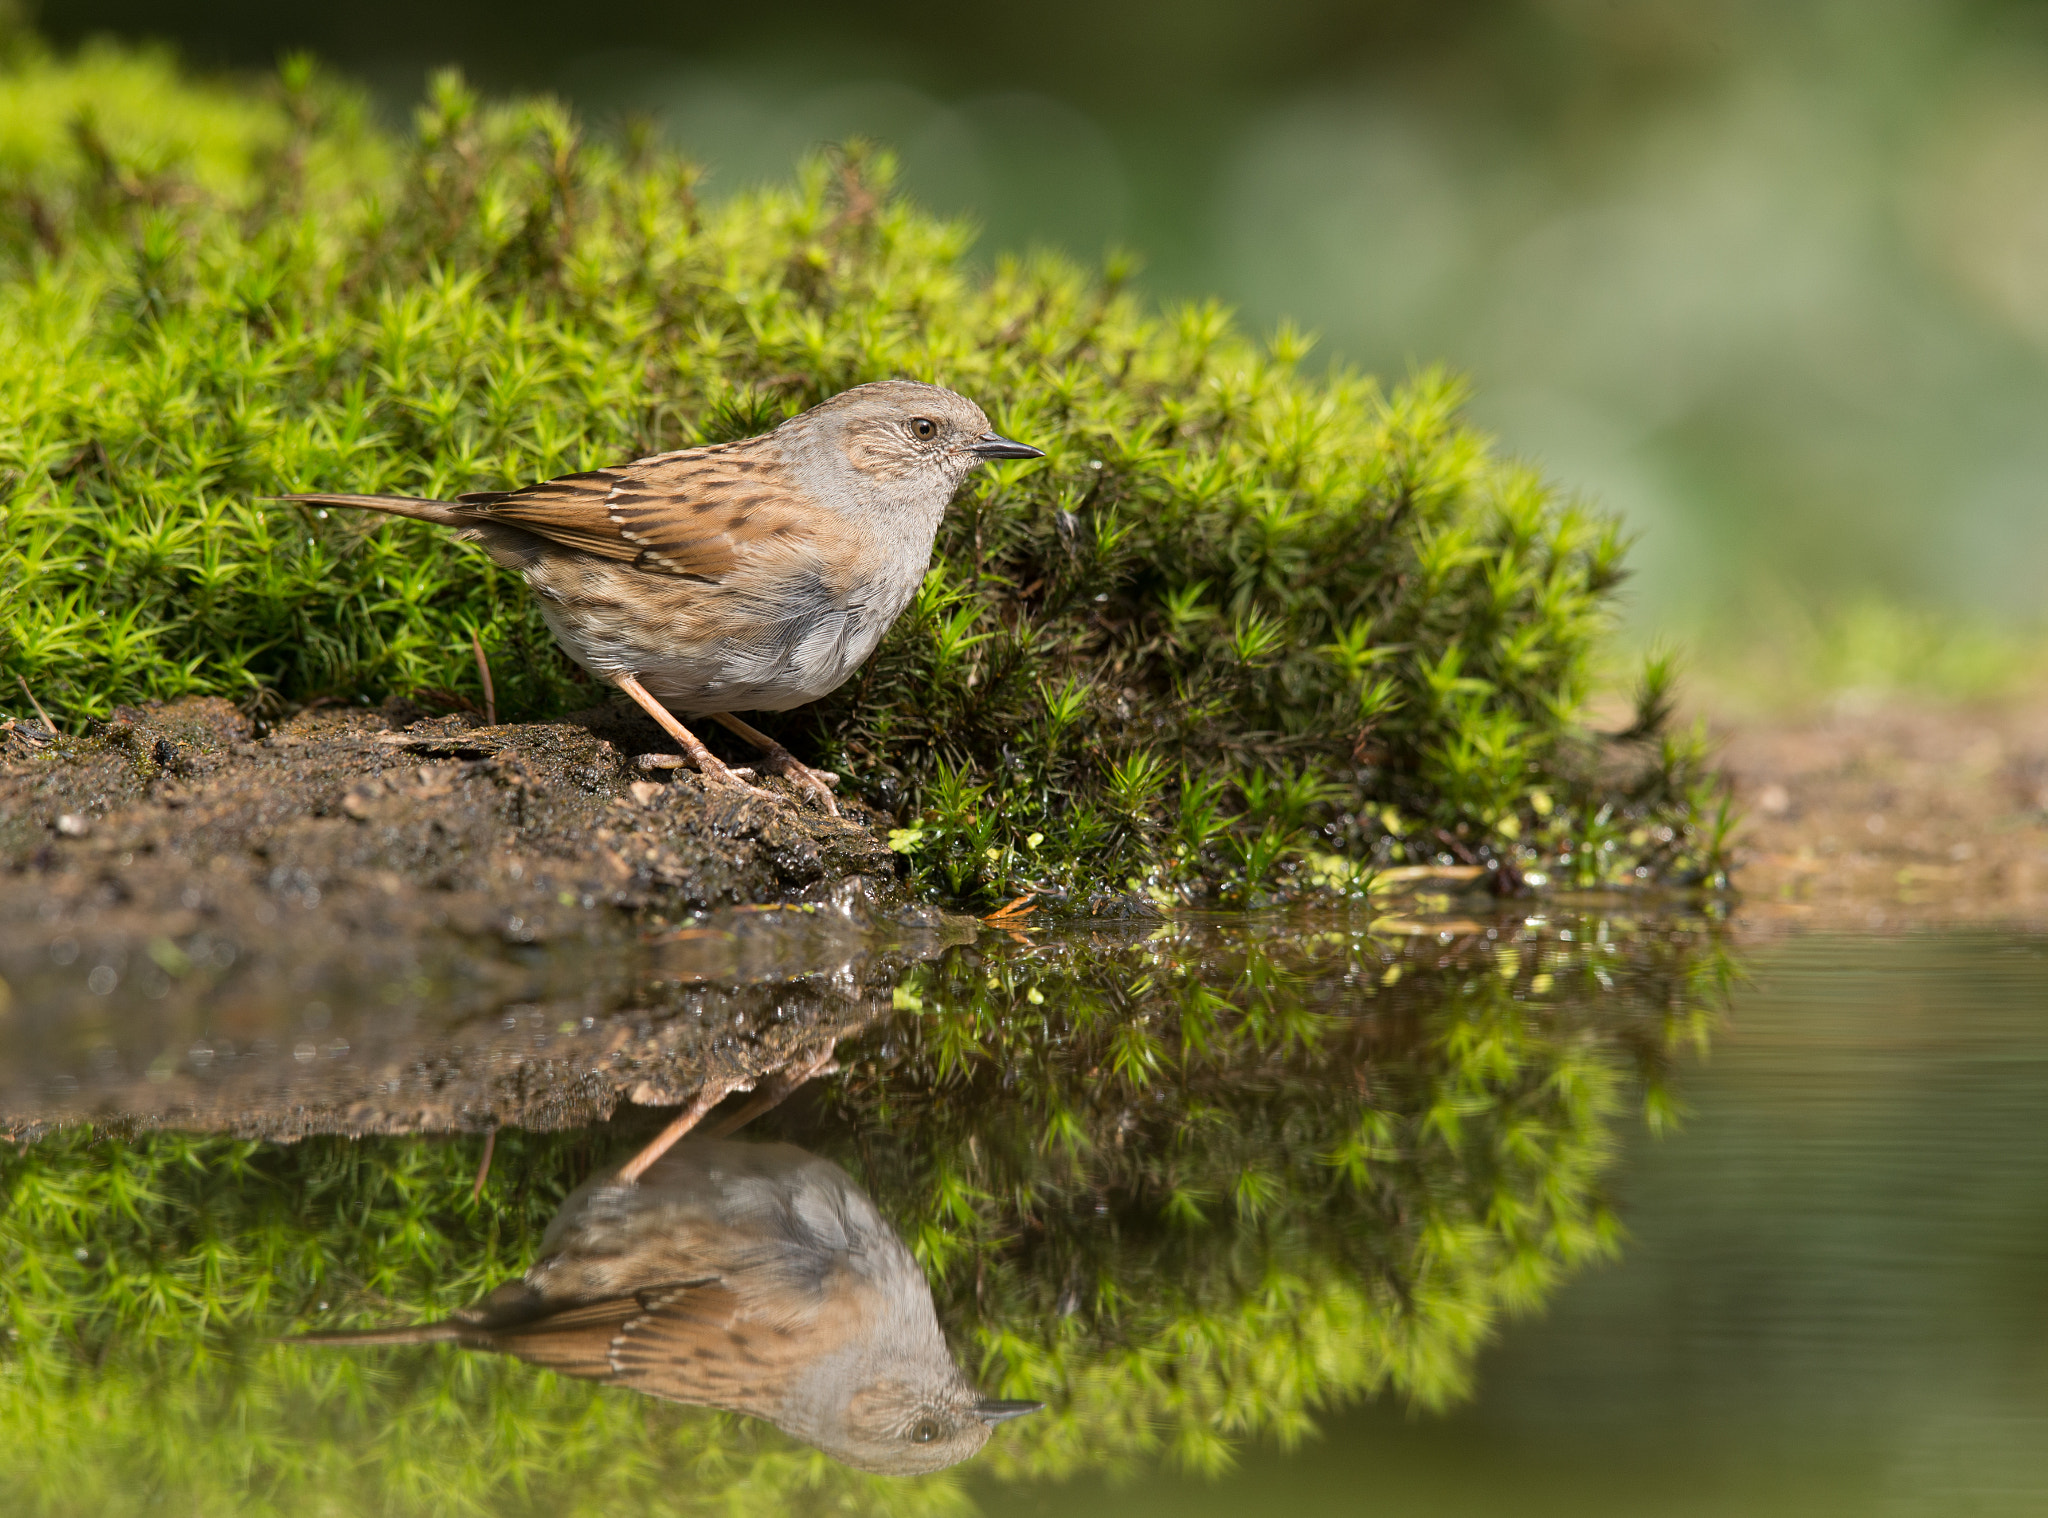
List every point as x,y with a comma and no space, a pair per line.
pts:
770,1091
778,1088
712,1094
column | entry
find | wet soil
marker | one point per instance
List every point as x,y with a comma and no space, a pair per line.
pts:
398,817
381,920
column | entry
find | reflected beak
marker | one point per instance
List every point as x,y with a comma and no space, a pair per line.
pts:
988,1409
993,445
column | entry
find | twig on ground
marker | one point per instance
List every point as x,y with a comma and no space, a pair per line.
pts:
483,668
32,701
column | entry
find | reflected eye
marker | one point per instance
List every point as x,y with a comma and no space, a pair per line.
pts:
928,1430
924,426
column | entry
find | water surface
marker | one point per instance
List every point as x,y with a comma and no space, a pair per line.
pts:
1587,1209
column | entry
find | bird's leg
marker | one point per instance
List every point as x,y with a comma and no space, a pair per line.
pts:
778,1088
706,763
779,760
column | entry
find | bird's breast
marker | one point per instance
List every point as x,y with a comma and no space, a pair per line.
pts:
748,642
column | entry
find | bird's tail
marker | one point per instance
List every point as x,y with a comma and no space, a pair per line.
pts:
444,1332
444,513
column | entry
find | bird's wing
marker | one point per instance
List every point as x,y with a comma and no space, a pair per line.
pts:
702,513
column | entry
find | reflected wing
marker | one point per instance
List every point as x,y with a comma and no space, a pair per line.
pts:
689,1342
697,1346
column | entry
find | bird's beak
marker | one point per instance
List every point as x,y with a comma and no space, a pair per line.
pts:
993,445
988,1409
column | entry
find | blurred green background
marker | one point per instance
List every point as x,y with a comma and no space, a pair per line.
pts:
1769,279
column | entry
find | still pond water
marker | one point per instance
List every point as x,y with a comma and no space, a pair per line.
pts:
1583,1213
1833,1295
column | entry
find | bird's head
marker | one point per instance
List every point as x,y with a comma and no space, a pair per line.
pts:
903,432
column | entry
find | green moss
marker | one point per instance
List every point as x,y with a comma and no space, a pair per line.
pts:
1247,629
1192,1189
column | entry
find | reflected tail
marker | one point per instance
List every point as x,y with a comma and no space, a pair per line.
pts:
447,1331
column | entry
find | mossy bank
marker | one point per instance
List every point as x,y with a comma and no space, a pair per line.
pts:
1252,627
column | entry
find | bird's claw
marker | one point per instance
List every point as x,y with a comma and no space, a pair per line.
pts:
816,784
678,762
810,782
716,773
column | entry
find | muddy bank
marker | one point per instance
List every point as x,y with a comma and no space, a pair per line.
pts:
394,819
1884,817
378,920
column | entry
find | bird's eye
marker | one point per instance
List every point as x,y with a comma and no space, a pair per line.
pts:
924,426
928,1430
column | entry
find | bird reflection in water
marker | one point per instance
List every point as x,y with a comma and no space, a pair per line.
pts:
752,1277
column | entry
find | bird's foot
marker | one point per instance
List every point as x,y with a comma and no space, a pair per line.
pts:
679,762
777,760
778,1086
712,1093
715,771
816,784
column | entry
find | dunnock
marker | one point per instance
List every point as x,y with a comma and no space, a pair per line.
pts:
751,1277
749,576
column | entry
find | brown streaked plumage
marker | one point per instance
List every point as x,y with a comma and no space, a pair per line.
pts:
749,576
751,1277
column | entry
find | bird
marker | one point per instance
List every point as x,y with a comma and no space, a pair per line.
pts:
755,575
754,1277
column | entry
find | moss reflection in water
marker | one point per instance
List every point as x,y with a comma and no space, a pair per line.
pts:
1190,1187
